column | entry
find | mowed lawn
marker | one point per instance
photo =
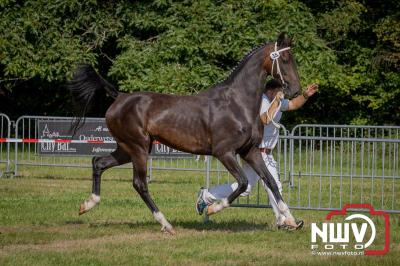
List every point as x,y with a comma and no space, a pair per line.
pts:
39,225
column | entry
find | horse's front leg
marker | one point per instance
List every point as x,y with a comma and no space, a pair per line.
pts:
231,164
254,159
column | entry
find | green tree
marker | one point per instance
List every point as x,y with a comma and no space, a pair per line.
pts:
350,48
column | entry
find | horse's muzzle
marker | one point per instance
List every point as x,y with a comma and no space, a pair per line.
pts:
297,93
288,92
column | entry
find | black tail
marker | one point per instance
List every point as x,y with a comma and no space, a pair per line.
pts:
85,87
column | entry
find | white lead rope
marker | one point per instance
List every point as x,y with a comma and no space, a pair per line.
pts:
276,124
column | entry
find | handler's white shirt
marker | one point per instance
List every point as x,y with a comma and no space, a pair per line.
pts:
271,133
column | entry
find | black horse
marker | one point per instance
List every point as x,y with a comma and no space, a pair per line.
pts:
222,121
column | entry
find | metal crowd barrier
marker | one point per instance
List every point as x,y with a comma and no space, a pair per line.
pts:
5,131
29,154
332,165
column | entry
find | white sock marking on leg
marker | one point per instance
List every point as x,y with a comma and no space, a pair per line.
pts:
224,202
283,208
91,202
161,219
218,206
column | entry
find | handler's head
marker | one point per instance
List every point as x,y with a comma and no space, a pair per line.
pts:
272,85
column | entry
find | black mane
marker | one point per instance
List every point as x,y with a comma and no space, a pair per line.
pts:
241,64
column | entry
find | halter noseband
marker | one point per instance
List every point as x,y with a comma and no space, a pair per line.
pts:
274,57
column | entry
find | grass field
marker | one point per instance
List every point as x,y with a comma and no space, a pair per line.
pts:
39,225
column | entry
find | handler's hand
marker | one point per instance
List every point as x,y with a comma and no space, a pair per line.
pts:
279,95
311,90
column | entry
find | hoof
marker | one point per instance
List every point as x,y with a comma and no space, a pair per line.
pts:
300,224
291,227
168,230
82,209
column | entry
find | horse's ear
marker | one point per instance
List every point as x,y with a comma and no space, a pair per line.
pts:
284,40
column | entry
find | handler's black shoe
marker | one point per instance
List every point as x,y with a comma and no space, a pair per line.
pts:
200,203
287,227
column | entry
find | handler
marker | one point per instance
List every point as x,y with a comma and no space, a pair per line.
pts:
272,106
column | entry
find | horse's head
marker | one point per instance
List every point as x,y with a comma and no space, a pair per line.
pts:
280,64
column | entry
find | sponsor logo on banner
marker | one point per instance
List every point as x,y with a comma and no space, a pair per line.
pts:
91,130
162,150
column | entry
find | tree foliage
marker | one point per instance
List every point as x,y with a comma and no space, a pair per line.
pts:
351,48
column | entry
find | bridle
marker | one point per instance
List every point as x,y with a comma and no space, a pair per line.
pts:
274,57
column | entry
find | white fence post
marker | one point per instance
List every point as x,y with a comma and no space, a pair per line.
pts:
5,130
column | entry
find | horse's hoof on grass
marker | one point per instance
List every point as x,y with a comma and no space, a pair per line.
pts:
82,209
290,227
168,230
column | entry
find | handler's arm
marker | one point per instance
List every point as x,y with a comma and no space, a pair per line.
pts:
300,100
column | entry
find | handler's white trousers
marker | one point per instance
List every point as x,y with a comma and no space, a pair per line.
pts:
223,191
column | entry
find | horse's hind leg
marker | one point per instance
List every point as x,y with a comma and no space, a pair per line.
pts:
139,161
99,165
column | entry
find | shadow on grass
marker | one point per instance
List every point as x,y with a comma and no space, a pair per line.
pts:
72,222
230,226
